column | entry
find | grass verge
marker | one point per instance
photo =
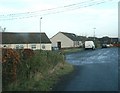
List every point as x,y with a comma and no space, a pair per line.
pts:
72,50
43,83
40,73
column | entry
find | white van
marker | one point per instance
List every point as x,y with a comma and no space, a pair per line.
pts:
89,45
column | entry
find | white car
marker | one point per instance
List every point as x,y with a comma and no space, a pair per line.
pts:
89,45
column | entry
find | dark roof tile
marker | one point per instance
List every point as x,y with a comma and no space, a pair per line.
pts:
23,38
70,35
73,36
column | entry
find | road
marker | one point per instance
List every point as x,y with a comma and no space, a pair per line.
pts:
95,70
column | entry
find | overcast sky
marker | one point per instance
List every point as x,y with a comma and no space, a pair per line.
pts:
103,17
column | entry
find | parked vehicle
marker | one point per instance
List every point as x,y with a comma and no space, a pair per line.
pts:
106,45
89,45
55,48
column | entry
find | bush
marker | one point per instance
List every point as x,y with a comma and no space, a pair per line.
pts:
27,53
10,59
23,65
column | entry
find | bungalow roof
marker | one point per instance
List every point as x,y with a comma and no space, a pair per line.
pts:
73,36
23,38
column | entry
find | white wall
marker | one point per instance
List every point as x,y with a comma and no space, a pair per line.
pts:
43,46
65,41
47,46
78,43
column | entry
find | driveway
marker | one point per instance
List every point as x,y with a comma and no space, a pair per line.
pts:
95,70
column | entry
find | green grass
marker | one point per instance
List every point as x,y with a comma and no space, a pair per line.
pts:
42,83
72,50
40,73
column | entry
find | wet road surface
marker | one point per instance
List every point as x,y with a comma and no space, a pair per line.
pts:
95,70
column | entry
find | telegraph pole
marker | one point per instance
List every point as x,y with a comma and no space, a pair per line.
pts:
94,33
40,32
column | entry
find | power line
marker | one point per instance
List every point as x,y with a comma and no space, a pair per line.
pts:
48,11
52,10
16,14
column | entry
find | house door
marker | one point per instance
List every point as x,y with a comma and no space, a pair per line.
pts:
59,45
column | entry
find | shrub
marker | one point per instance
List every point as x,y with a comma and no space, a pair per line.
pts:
26,65
27,53
10,59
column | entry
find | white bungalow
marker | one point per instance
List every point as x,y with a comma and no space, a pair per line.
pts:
26,40
66,40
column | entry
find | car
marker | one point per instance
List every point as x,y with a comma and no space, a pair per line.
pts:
104,45
108,45
89,45
55,48
111,45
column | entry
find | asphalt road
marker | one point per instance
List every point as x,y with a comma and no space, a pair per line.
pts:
95,70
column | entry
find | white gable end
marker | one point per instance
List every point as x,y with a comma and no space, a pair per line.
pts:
65,41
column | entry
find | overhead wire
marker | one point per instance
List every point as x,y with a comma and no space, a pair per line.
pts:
52,10
16,14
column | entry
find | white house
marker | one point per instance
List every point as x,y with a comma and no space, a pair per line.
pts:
25,40
66,40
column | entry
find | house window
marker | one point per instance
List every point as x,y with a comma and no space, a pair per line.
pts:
33,47
19,46
4,46
78,43
43,46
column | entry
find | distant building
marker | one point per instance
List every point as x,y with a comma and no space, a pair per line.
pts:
108,40
114,40
25,40
92,38
66,40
